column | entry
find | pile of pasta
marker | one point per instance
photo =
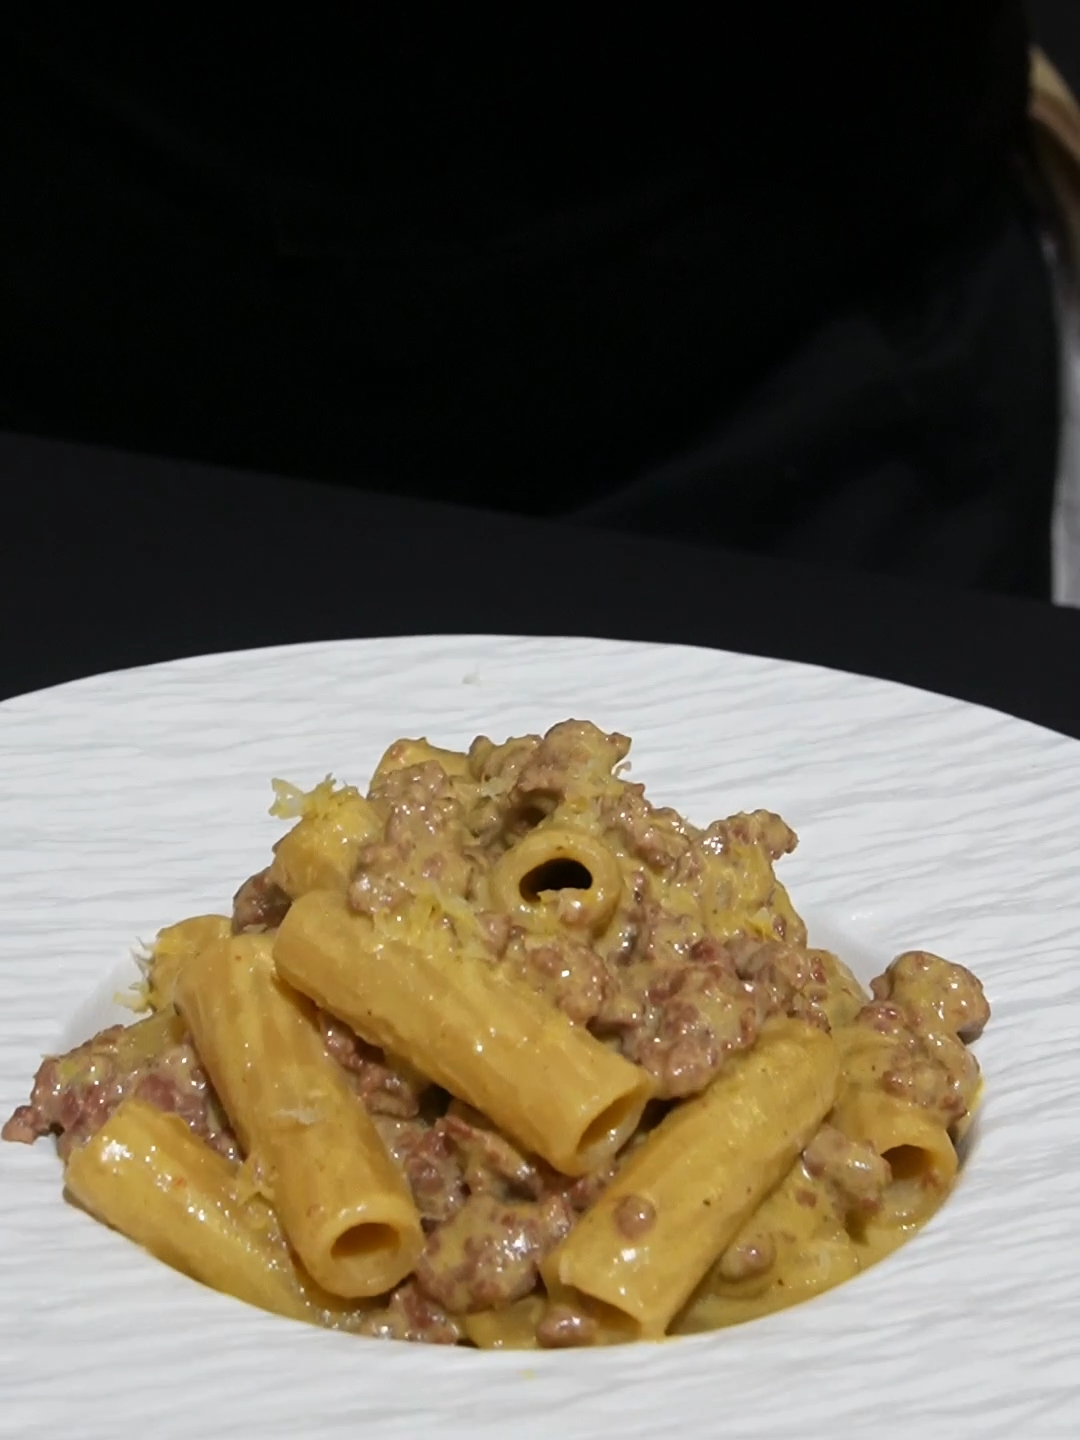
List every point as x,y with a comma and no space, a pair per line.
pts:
499,1053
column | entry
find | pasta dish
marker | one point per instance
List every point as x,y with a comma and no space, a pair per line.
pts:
501,1054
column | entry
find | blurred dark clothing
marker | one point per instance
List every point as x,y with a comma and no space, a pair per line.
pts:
767,279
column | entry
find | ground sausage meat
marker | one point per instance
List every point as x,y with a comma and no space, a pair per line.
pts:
694,1016
75,1094
789,979
572,975
489,1253
729,867
634,1216
491,1164
939,993
934,1071
409,1314
583,1192
855,1173
429,1162
573,756
260,904
424,841
562,1326
382,1087
748,1258
761,829
658,837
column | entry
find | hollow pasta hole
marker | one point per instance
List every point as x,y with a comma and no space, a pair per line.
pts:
522,819
558,874
609,1122
907,1162
611,1323
360,1241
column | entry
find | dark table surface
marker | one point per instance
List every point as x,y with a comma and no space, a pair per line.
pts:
108,561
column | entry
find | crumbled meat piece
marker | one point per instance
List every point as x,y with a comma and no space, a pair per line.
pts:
178,1085
748,1258
729,868
383,1089
573,756
496,930
491,1164
424,793
716,954
24,1125
645,940
630,926
941,995
498,766
375,887
582,1193
662,944
634,1216
789,980
658,837
625,1012
693,1018
855,1173
938,1074
424,840
75,1094
570,974
408,755
666,939
429,1162
562,1327
884,1018
260,904
935,1071
411,1315
760,829
489,1253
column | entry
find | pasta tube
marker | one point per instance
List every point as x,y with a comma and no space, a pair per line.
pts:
173,948
341,1200
675,1205
321,850
558,874
479,1033
794,1246
917,1148
145,1174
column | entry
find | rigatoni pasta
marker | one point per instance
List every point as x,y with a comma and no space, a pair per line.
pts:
922,1159
145,1174
635,1257
500,1054
173,948
449,1013
558,876
315,1152
321,850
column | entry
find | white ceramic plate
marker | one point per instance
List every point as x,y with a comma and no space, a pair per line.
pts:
130,800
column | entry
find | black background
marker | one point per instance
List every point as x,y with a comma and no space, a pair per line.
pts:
108,561
1057,28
